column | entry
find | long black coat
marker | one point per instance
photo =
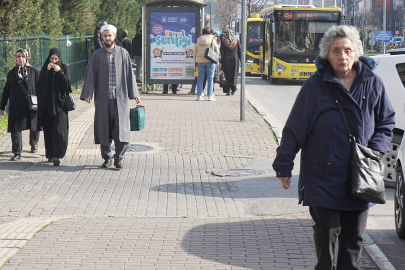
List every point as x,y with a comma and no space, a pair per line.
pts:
137,45
20,117
230,57
126,43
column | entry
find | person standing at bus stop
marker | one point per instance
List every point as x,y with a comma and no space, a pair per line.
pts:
230,57
21,80
111,80
204,65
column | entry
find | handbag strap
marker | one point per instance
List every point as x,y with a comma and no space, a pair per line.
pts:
342,113
24,89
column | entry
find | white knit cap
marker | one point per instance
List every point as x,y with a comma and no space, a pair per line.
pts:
110,27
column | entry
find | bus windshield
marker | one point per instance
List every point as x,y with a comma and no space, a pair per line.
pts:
253,39
301,36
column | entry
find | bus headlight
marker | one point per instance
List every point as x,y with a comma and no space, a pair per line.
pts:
280,67
249,59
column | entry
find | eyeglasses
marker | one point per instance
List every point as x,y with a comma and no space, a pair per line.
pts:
347,52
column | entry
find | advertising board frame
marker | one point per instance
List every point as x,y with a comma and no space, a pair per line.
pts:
177,10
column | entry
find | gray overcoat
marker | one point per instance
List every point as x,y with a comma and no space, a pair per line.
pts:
96,82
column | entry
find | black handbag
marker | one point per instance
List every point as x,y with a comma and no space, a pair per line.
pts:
32,99
211,54
70,102
367,181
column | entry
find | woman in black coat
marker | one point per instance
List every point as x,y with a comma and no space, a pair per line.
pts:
53,86
21,80
230,57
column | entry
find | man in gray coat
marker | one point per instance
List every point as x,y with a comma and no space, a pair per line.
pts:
111,79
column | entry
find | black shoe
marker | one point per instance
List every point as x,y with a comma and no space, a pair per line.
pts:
16,157
56,161
34,148
165,93
107,163
228,94
118,164
49,159
233,93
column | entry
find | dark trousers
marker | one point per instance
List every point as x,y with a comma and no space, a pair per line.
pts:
348,227
114,134
17,143
166,88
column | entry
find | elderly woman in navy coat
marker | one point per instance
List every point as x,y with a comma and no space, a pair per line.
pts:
315,127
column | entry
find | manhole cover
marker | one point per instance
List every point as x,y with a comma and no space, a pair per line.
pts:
137,148
236,172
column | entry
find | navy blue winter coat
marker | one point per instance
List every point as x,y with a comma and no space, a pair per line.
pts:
315,127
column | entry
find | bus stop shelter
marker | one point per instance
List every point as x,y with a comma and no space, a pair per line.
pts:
170,29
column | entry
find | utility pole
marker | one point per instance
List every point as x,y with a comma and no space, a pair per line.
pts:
243,61
384,21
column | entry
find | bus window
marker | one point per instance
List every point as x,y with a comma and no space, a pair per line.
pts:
253,40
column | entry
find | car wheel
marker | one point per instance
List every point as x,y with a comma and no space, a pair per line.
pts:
390,160
399,204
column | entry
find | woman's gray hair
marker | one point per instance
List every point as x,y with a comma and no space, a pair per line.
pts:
341,31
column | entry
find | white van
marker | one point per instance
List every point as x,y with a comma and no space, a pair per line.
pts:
391,69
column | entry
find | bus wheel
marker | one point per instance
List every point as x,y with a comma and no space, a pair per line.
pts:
264,77
273,81
248,73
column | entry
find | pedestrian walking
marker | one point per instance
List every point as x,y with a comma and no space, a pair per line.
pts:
110,78
98,40
230,57
137,54
53,86
315,127
21,81
126,43
204,65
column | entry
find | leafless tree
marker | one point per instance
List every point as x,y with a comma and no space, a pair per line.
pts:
227,11
254,6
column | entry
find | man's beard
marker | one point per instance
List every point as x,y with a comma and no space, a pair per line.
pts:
110,45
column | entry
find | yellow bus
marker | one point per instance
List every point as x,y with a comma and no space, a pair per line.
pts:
254,41
291,40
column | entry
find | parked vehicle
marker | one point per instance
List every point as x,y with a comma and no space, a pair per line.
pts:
391,69
399,42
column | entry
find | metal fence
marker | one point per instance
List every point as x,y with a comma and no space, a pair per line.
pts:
75,53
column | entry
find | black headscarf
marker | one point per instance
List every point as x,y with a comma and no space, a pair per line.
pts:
58,53
52,92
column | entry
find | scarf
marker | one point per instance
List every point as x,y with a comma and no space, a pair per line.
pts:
49,87
228,37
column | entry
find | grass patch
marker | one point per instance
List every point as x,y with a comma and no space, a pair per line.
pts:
3,122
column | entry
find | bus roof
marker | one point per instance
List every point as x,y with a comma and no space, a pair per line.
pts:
298,7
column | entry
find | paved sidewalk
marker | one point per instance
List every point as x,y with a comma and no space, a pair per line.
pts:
169,208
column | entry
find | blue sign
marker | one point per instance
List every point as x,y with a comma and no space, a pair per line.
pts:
392,40
383,36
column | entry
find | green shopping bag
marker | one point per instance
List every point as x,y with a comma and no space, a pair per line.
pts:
137,117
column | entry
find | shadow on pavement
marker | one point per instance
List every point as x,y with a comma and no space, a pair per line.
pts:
276,243
261,187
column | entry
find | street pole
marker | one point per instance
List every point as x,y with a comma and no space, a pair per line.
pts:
243,61
211,16
384,21
353,15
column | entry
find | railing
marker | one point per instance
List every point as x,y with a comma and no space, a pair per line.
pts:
75,53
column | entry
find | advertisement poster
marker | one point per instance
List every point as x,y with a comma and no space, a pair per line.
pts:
172,45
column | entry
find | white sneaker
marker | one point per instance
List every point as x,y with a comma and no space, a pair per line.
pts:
211,98
200,98
202,94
